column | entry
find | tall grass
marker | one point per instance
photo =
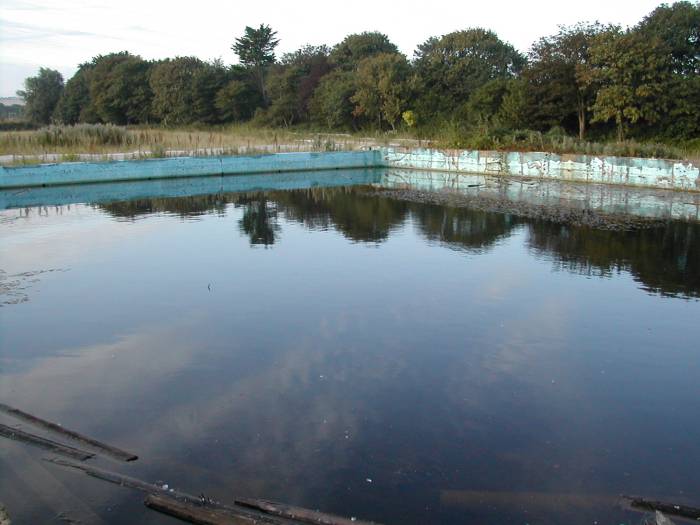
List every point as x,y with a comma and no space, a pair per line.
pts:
97,141
558,142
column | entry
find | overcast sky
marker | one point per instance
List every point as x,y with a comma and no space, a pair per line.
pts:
63,33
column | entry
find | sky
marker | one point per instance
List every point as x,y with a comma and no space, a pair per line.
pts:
61,34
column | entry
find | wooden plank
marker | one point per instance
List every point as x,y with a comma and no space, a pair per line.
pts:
297,513
671,509
26,479
183,497
192,514
38,441
108,450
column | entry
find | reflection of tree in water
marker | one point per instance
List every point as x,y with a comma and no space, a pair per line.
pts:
259,219
357,215
192,206
463,228
665,260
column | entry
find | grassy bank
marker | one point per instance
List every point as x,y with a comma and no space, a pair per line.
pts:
100,142
71,142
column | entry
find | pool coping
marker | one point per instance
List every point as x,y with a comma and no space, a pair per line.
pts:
618,171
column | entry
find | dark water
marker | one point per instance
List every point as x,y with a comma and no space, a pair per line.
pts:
402,363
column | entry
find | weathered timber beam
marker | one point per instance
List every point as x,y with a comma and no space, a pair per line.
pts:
182,497
193,514
297,513
106,449
47,444
671,509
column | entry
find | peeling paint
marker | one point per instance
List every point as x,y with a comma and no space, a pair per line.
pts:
626,171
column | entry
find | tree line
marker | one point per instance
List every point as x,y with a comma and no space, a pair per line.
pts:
588,80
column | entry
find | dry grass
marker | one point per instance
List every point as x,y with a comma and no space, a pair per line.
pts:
95,142
103,142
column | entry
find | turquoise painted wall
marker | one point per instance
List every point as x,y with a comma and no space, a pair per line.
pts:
56,195
129,170
650,173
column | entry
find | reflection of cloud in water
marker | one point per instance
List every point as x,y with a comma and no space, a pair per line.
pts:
255,434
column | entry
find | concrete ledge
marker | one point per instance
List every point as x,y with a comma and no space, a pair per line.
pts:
626,171
57,195
648,173
604,198
168,168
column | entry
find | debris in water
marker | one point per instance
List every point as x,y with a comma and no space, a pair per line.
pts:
38,441
108,450
672,509
661,519
190,508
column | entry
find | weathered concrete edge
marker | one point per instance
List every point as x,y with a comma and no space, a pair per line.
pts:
177,167
618,171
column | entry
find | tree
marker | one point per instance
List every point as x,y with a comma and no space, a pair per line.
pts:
75,104
291,83
185,90
382,88
356,47
678,26
119,89
633,73
41,94
451,67
237,101
256,50
207,81
331,105
556,87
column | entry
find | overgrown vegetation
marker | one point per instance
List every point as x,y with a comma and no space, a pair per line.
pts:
69,142
589,88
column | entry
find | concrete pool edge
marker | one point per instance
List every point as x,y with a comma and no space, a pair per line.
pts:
68,173
617,171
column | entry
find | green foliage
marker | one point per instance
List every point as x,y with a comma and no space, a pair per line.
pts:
467,87
450,68
237,101
291,84
678,26
632,73
382,88
409,118
11,112
75,104
356,47
41,94
256,51
557,91
331,105
172,82
119,89
185,90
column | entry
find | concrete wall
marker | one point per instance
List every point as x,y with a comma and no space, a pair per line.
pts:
56,195
652,173
605,198
82,172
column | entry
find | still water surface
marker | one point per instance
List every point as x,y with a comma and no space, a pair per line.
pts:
403,363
